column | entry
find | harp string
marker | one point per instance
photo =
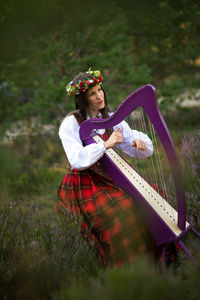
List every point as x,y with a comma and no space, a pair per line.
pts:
149,161
144,164
160,182
164,186
155,159
151,167
138,164
158,146
147,166
159,165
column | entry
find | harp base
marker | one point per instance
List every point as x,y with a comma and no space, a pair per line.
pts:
173,238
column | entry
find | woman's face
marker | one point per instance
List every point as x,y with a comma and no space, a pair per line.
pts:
95,96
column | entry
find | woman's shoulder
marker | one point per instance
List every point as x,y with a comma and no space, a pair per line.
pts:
68,119
68,122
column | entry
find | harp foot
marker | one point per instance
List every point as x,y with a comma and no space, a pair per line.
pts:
187,252
195,232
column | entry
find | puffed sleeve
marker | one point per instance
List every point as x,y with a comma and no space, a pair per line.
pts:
129,136
78,156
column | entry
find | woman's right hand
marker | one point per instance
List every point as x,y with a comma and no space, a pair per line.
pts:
115,138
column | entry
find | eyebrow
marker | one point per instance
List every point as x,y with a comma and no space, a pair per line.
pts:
92,92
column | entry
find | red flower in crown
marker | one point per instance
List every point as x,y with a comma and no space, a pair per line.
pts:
82,83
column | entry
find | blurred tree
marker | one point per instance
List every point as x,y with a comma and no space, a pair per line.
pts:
37,79
165,32
106,47
166,36
45,43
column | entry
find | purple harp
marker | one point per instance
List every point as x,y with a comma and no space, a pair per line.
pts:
164,226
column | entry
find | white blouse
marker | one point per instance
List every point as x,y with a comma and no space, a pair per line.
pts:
81,157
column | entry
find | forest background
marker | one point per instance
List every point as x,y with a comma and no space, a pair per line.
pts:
43,45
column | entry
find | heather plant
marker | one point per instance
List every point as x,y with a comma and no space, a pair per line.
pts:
190,155
40,255
140,280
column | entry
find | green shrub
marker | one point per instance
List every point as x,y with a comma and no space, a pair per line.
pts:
18,178
40,255
138,281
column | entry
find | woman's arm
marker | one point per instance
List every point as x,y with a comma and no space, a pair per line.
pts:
78,156
133,141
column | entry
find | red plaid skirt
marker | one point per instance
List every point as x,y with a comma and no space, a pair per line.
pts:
109,215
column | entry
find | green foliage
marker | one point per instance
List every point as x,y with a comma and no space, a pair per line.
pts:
133,44
7,103
138,281
185,118
39,255
169,94
20,176
9,163
63,55
59,56
190,156
166,35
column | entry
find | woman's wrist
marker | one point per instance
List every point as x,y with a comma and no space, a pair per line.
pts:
106,145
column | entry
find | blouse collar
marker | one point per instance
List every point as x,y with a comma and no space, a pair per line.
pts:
99,116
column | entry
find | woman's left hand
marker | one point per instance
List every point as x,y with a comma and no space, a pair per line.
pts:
139,144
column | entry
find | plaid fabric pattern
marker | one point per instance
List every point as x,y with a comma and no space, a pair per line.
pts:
110,216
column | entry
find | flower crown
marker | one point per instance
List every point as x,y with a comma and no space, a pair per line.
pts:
83,85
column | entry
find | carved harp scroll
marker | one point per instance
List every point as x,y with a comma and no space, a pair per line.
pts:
162,230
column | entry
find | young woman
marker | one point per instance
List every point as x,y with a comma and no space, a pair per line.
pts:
110,216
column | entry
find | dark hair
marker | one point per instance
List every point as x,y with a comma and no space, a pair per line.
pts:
82,104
